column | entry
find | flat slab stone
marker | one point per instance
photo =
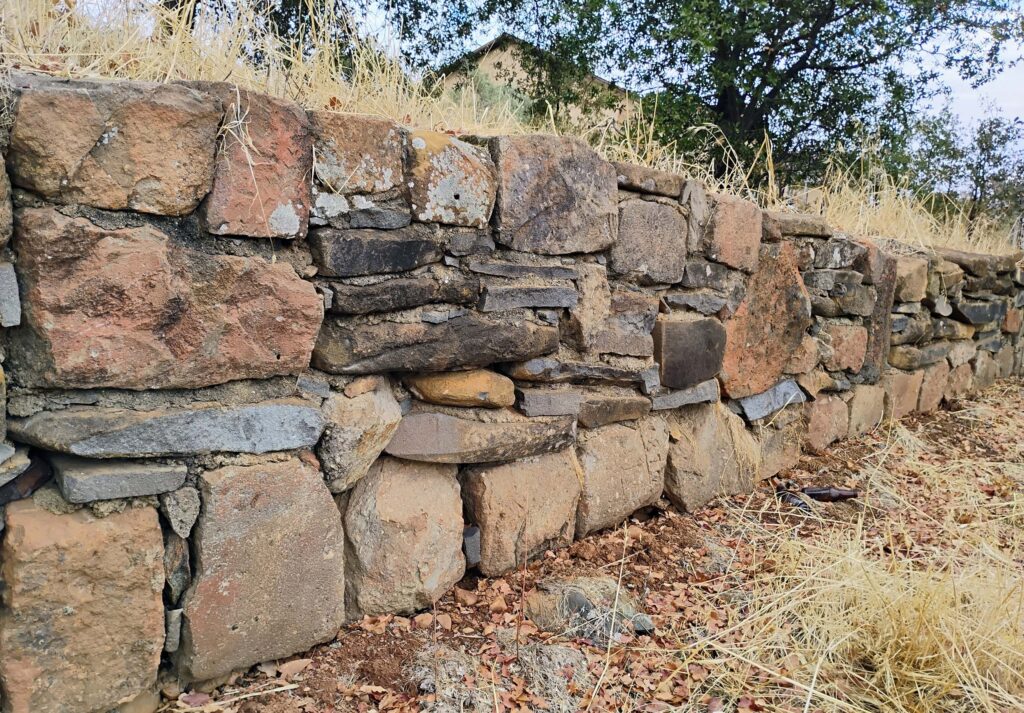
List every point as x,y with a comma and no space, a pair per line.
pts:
269,568
648,180
704,392
14,464
689,349
592,408
121,433
794,225
523,270
82,625
477,387
558,371
768,402
347,346
495,298
133,308
82,480
979,311
556,196
440,438
978,264
403,293
909,357
347,253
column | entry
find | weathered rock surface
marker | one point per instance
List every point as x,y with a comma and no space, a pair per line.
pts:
82,480
591,407
768,326
6,209
804,358
733,234
82,624
978,264
269,570
555,195
403,528
828,420
799,224
261,184
348,346
781,447
177,569
130,308
502,297
478,387
356,154
557,371
522,508
346,253
449,180
623,470
771,400
10,299
837,253
597,609
278,425
979,311
705,392
358,429
933,387
402,293
648,180
849,344
441,438
911,278
711,455
909,357
689,349
879,268
627,329
901,392
651,245
181,508
867,409
115,145
960,382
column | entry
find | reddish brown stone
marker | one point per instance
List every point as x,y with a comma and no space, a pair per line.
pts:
269,578
768,326
902,389
849,343
356,154
115,145
261,187
130,308
911,278
960,383
805,358
450,181
827,421
1012,321
733,234
933,387
82,625
867,409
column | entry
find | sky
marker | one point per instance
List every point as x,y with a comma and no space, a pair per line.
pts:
1006,92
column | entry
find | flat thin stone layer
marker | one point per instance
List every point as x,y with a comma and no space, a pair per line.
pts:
82,480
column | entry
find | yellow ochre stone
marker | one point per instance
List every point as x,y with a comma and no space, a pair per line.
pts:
478,387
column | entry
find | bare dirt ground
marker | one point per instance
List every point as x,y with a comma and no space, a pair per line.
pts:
908,598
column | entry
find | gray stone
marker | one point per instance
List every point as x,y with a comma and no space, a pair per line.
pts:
10,301
907,308
403,293
346,253
689,349
961,352
705,301
440,316
440,438
84,481
172,626
627,328
549,402
858,300
951,329
695,199
705,392
468,241
118,433
651,247
912,329
358,428
350,346
978,264
496,298
14,464
768,402
648,180
520,270
557,371
978,311
909,358
989,341
181,508
831,282
592,408
701,273
837,253
799,224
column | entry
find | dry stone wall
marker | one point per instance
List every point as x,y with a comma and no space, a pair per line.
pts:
269,370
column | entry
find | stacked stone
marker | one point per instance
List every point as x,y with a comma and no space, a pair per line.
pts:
278,363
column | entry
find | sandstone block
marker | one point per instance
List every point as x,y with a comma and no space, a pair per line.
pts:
131,308
477,387
498,298
83,622
588,317
592,408
981,265
771,400
688,349
6,209
804,358
849,344
961,352
115,145
960,382
403,525
440,438
901,392
347,253
733,234
705,392
828,420
627,329
261,184
651,246
1004,361
867,409
911,278
347,346
1013,321
15,462
358,429
909,358
522,508
648,180
781,446
403,293
933,387
356,154
121,433
838,253
623,470
269,571
986,371
449,180
711,455
794,225
556,371
768,325
556,196
82,480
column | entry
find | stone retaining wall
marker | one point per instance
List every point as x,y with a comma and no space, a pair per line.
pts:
265,366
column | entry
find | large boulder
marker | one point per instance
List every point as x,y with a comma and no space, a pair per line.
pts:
261,185
269,568
358,428
623,470
556,196
450,181
115,145
711,455
404,528
768,326
82,624
131,308
522,508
